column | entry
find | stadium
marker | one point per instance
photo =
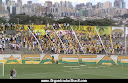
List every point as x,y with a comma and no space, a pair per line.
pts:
63,51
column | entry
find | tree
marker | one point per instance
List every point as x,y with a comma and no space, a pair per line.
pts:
25,19
2,20
125,16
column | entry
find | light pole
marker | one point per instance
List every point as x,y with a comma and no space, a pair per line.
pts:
125,40
18,20
79,22
41,22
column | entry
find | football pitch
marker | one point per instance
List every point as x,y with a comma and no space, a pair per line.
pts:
66,71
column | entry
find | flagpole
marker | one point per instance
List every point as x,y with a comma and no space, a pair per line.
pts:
49,39
79,22
69,42
111,38
59,38
78,41
101,40
125,42
36,39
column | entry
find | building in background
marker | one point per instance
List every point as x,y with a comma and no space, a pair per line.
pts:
26,10
37,9
84,12
119,4
79,6
48,4
19,3
43,11
11,3
0,2
65,9
89,5
107,4
18,7
68,4
7,1
56,4
29,2
99,5
4,15
18,10
1,5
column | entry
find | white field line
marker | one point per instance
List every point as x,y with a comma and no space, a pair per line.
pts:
116,76
45,74
92,67
75,68
83,65
108,75
71,66
107,66
102,66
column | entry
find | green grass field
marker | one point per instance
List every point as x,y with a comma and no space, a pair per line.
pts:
67,71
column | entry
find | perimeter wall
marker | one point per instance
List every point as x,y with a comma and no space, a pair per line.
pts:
63,59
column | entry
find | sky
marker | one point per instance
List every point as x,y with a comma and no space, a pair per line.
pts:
74,2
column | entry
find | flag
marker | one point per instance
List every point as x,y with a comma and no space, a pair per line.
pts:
126,30
73,32
48,25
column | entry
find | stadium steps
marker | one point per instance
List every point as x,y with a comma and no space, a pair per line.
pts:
8,32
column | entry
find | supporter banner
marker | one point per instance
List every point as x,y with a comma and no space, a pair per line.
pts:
25,27
62,59
88,28
118,30
33,27
126,30
38,26
83,28
75,27
66,32
103,30
42,31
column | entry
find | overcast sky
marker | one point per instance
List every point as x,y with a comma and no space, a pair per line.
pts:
74,2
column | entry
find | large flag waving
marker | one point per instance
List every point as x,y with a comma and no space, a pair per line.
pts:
103,30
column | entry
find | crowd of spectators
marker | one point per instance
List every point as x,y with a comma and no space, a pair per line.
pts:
64,42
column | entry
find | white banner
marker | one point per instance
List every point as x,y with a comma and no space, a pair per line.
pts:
116,30
126,30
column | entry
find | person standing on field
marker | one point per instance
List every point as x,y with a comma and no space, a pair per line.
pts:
11,74
14,73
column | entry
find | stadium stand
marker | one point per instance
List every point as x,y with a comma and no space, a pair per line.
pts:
15,39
